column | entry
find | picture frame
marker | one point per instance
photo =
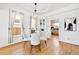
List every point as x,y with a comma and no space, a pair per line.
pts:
70,24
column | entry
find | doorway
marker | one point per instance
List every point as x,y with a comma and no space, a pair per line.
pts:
55,27
55,31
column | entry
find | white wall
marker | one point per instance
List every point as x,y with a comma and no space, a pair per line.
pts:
67,36
48,28
27,25
4,16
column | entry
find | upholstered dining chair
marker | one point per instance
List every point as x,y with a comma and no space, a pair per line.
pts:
35,40
43,37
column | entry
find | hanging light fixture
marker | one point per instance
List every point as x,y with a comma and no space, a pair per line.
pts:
34,18
35,11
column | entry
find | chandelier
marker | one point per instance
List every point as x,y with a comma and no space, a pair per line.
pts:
35,11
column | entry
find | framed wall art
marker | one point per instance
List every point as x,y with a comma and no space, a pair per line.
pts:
70,24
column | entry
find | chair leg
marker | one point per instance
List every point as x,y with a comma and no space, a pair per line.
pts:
31,48
46,42
24,44
39,47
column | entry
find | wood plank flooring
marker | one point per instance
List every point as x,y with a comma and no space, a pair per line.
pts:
54,47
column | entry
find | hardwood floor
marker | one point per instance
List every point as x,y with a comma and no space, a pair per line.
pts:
54,47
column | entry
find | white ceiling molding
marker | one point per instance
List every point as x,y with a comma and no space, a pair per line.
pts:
62,10
44,9
41,7
7,6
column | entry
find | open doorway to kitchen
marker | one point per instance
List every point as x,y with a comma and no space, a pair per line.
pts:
55,30
55,27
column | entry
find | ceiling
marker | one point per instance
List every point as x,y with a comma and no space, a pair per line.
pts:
41,7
